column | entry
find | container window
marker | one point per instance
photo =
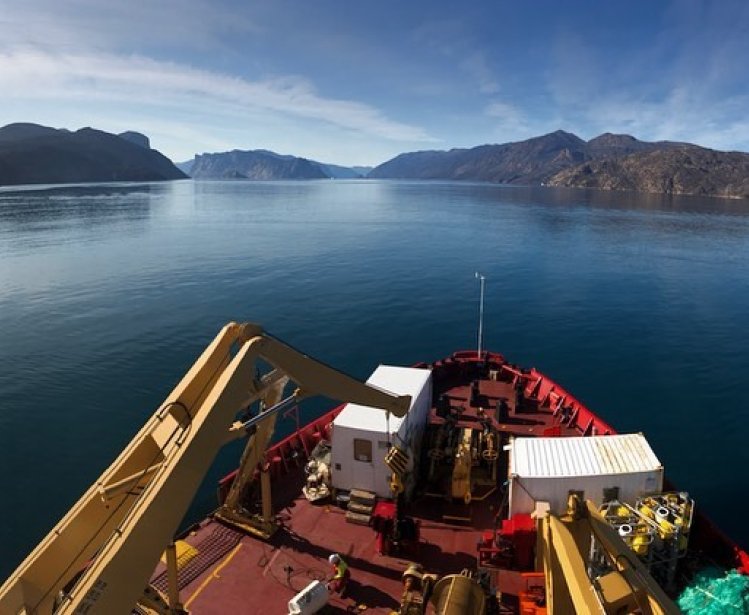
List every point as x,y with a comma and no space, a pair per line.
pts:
610,494
363,450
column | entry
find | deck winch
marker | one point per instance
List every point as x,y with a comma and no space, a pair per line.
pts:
463,455
454,594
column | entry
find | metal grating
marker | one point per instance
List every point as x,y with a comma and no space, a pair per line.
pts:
210,549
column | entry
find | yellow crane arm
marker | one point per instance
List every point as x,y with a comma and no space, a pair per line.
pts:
564,545
628,564
118,529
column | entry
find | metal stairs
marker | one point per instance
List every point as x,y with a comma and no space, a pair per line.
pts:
360,506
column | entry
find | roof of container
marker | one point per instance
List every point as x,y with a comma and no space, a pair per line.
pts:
583,456
400,380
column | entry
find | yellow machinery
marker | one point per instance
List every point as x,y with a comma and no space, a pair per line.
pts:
671,514
461,475
564,545
634,530
399,463
99,557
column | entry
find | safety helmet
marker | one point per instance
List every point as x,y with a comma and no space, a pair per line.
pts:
334,558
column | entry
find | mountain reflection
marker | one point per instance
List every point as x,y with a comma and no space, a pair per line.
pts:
88,204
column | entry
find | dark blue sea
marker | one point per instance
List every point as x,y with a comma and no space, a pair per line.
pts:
639,305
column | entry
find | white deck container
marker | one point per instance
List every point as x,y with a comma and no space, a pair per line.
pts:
310,600
547,469
362,435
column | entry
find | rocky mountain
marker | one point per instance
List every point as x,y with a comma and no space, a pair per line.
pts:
609,161
524,162
33,154
258,165
262,165
22,131
684,169
609,145
137,138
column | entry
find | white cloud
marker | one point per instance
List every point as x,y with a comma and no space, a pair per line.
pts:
511,123
80,78
100,63
505,112
681,115
102,24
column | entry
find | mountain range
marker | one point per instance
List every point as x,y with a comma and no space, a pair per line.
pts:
34,154
608,162
264,165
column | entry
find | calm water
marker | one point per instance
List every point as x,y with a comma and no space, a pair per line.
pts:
638,305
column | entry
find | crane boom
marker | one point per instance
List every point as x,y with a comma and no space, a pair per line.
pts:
563,546
119,528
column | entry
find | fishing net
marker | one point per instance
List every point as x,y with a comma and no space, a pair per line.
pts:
715,592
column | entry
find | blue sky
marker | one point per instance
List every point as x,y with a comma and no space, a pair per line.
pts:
354,82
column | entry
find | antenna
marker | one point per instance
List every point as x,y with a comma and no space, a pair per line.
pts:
482,280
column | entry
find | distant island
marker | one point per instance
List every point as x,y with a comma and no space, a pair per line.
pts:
607,162
265,165
34,154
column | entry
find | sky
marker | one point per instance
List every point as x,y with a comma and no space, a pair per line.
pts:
353,82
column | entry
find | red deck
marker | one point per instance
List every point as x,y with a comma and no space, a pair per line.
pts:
249,575
236,573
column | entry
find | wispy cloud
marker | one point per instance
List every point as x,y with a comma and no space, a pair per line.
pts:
93,24
34,74
310,77
686,84
680,115
510,122
477,67
506,114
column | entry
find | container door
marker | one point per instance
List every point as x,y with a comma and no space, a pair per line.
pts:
363,470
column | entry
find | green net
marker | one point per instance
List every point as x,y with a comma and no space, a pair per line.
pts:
716,592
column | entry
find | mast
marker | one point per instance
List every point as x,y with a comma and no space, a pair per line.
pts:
482,282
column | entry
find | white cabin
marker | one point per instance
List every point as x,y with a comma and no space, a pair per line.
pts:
547,469
362,435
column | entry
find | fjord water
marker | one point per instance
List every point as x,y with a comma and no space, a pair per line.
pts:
636,304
